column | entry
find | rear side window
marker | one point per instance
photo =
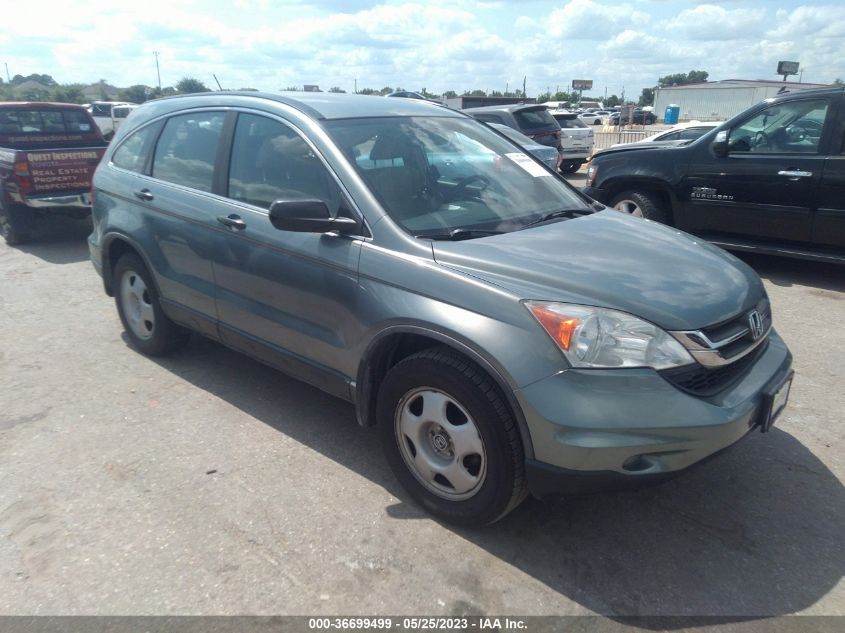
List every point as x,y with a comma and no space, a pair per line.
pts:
187,149
132,153
535,119
490,118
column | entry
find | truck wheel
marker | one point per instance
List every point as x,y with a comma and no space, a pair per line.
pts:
642,205
570,167
14,227
450,438
146,325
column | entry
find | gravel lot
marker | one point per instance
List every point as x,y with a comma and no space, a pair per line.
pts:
207,483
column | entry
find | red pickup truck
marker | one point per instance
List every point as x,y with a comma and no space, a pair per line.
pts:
48,154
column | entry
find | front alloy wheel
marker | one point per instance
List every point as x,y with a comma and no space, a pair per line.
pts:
450,438
440,443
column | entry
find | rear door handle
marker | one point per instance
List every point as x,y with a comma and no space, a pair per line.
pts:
232,221
795,175
144,195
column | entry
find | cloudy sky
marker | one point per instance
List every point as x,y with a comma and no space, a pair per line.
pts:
436,44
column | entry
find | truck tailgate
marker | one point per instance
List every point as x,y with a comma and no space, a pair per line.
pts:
53,170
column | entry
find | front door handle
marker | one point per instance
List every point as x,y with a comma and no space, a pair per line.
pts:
144,195
794,174
232,221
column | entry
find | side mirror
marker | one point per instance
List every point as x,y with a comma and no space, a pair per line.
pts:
720,144
308,216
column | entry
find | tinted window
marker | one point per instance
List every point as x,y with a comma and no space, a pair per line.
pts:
43,121
132,153
535,119
101,109
693,133
186,151
784,128
572,122
271,162
490,118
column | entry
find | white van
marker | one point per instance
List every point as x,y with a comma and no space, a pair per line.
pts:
108,115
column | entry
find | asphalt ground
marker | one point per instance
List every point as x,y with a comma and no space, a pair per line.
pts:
207,483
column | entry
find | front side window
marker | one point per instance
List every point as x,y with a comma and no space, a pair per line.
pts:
187,149
270,161
437,174
785,128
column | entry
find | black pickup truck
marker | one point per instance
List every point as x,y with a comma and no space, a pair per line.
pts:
772,179
48,153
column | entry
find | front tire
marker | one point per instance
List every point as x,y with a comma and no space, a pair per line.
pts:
450,438
138,304
642,204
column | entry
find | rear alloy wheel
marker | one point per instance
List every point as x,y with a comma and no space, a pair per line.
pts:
450,438
146,325
641,205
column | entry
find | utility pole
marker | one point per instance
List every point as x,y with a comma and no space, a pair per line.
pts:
524,94
8,78
158,72
356,85
800,75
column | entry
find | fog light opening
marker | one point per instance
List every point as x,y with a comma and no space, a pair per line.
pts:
637,463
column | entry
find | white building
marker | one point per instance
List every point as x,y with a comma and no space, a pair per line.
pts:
720,100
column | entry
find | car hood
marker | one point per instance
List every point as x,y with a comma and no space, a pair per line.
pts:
613,260
643,145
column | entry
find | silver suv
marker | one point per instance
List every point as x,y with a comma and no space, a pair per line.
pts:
576,141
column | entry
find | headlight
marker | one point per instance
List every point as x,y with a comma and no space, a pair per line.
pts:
598,337
592,172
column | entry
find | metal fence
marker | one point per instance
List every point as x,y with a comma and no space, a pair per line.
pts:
606,139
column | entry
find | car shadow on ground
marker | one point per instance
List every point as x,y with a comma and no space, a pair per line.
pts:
59,240
787,272
756,532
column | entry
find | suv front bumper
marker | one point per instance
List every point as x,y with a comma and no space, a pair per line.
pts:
608,429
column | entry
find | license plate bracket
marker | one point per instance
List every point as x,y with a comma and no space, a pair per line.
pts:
775,397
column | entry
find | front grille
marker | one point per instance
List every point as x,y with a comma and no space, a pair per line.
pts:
708,381
724,351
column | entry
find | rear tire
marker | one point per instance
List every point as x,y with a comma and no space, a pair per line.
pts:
15,225
450,438
138,304
570,167
642,205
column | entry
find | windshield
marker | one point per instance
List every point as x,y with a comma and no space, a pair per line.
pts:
438,174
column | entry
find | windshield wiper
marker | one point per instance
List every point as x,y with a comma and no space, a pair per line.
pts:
456,235
560,213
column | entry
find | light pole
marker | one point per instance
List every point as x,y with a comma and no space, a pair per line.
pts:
158,72
8,78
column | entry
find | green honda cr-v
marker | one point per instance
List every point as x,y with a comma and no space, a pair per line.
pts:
505,334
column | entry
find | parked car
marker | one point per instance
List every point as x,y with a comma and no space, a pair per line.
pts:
531,119
549,156
502,335
679,134
770,179
591,118
48,153
576,140
639,117
106,118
